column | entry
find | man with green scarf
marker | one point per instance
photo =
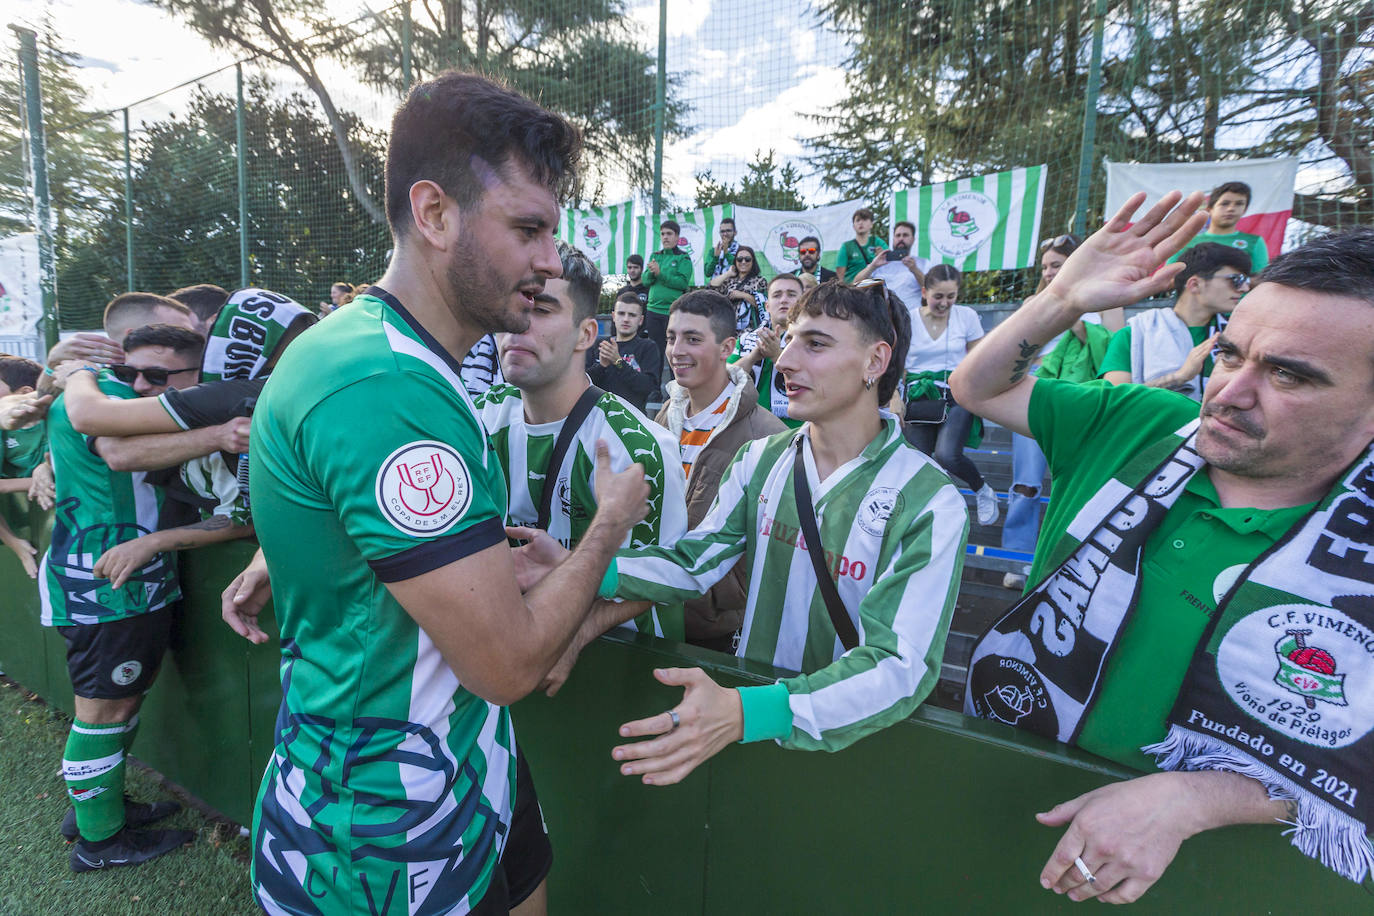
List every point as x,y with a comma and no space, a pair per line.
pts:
1204,591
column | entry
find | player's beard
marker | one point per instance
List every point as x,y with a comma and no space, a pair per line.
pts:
477,294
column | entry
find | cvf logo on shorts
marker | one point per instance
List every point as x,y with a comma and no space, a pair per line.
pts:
423,488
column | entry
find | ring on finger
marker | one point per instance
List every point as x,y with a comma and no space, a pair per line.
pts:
1083,870
677,720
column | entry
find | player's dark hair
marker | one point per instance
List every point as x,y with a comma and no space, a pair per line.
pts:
810,238
904,222
631,298
712,306
670,224
792,277
753,265
862,213
584,282
635,259
879,314
18,372
728,219
1230,187
1207,259
141,305
1340,264
204,299
178,340
461,130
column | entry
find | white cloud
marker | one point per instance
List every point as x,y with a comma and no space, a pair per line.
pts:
685,18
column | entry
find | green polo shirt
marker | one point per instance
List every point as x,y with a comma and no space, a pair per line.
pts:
1118,358
1253,245
1088,432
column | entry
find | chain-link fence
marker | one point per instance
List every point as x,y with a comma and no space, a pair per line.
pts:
270,172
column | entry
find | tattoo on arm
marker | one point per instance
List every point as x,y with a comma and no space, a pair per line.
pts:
213,523
1023,362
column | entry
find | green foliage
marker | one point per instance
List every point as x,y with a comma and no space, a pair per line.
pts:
949,88
574,56
765,184
305,230
85,152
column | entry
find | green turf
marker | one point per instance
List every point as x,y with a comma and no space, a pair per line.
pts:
210,876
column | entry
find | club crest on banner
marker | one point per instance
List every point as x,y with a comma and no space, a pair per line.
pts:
594,237
692,241
962,222
1321,690
423,488
784,240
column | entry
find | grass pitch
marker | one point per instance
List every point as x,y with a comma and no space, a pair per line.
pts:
210,876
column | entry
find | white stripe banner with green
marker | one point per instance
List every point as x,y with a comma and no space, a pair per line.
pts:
604,234
698,235
775,234
991,222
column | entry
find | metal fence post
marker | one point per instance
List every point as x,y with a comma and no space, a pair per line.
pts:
241,154
660,109
1085,150
405,47
128,210
38,161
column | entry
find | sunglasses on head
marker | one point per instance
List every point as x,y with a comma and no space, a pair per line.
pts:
1062,242
808,250
156,375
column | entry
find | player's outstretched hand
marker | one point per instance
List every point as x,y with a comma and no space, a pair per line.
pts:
95,348
1119,264
622,498
26,553
708,719
537,557
244,599
233,435
18,411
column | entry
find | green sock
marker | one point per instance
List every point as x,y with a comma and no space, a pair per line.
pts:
93,765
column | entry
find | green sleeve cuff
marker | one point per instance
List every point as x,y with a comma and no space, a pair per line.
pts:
609,582
767,712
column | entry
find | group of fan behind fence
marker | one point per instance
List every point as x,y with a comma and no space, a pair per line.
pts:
456,488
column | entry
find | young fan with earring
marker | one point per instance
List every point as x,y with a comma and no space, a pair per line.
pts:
853,544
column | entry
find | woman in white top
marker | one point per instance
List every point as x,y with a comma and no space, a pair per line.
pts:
941,333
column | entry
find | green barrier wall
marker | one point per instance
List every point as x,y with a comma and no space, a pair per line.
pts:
935,813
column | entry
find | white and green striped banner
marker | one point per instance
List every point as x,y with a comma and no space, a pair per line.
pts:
698,234
991,222
604,234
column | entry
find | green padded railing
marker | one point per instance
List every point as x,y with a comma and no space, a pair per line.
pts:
934,814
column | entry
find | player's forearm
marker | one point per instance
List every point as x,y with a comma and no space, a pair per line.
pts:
1214,798
93,414
1003,359
158,450
15,484
213,530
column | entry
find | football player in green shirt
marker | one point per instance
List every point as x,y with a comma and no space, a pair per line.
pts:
404,633
1287,411
21,450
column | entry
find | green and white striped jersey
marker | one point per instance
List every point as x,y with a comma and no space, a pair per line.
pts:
524,450
894,529
390,785
98,508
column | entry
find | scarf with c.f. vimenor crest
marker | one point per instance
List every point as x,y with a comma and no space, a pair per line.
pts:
1281,686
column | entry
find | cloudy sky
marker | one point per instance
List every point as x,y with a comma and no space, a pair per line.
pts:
750,82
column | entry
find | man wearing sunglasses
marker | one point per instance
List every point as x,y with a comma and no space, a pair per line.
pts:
1171,347
809,253
111,602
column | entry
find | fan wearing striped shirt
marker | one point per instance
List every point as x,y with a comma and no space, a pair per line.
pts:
890,528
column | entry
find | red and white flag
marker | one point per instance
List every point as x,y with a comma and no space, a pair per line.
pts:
1271,184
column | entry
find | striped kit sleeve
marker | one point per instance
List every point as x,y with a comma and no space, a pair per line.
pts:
894,530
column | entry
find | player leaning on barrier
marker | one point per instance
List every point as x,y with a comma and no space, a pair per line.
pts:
860,605
1203,591
393,779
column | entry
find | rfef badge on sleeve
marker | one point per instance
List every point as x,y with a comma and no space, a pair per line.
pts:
423,488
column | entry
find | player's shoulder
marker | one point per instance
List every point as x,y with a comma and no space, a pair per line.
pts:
630,426
498,403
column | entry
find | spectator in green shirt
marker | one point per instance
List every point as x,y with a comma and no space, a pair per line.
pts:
858,252
668,275
1227,204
